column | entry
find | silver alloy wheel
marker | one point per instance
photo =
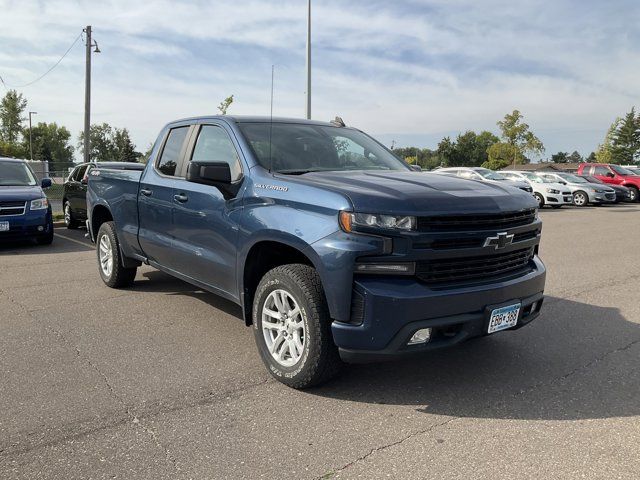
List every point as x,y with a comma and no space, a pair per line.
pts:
633,194
283,328
106,255
67,214
580,199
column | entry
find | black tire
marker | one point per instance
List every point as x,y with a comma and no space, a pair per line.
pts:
580,199
319,360
69,220
634,195
540,199
119,276
47,238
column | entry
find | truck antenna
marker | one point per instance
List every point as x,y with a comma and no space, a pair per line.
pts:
271,121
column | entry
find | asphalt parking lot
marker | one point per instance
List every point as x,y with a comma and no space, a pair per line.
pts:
164,381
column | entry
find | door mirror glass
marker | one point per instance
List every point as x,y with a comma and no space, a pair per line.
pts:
45,183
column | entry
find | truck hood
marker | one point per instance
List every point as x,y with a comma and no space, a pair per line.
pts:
20,193
416,193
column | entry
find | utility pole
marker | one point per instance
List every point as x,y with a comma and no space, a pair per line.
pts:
308,106
87,91
30,141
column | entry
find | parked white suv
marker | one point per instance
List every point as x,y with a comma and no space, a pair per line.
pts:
546,191
583,191
484,175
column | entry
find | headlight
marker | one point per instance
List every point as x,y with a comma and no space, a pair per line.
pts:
39,204
600,191
349,220
553,190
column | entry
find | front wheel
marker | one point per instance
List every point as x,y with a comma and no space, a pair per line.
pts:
580,199
292,327
112,272
540,200
633,194
69,220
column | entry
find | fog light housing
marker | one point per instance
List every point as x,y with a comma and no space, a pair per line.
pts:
421,336
40,228
386,268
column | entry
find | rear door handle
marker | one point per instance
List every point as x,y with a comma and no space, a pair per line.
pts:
181,198
145,192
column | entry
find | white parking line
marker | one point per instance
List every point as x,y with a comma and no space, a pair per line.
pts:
74,240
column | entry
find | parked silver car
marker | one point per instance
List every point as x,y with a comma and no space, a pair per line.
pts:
484,175
583,191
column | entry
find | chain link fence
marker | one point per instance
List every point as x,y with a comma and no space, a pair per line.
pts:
55,192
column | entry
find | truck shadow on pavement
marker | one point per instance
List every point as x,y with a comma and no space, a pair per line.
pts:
576,361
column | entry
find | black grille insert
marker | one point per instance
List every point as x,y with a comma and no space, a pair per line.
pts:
447,223
465,269
11,207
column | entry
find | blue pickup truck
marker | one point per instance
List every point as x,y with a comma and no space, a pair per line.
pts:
336,250
25,213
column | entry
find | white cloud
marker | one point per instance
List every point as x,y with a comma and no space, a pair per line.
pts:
404,67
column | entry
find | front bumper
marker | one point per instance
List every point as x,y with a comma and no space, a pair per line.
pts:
30,225
558,199
394,308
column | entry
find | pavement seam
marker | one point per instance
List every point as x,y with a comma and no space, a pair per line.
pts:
384,447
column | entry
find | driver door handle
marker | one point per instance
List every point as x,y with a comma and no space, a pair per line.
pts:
145,192
181,198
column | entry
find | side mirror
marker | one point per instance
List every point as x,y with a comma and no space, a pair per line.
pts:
216,174
415,168
45,183
209,173
610,174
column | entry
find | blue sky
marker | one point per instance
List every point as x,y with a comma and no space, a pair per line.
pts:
410,71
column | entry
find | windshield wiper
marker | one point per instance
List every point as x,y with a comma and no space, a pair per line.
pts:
301,171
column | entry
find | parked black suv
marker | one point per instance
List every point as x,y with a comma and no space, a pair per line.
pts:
74,196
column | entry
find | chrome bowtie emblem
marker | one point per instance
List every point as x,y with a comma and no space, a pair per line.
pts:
499,241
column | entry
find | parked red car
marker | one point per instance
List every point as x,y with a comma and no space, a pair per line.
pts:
613,174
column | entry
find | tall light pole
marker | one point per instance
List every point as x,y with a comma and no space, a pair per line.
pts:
30,142
308,106
87,91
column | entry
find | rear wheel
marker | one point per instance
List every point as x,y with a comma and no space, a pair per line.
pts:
540,199
69,220
112,272
633,194
580,199
292,327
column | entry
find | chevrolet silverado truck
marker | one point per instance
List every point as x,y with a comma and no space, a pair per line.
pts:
334,248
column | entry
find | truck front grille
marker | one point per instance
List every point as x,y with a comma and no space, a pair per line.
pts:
10,207
448,223
467,269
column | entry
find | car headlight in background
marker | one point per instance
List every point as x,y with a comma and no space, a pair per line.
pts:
600,191
553,190
39,204
350,220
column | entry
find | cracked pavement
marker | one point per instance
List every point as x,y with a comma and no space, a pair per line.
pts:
164,381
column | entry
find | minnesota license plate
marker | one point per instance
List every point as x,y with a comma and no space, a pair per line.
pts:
4,226
503,318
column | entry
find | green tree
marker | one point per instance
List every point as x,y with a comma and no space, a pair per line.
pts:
604,151
124,148
560,157
575,157
592,157
447,152
51,142
519,135
501,155
109,144
225,104
12,107
625,142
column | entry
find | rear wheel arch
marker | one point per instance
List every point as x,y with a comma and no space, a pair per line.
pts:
100,215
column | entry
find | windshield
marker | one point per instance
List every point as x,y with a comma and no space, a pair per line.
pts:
16,173
569,177
535,178
301,148
490,174
621,170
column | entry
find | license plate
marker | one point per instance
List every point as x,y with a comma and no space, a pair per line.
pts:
503,318
4,226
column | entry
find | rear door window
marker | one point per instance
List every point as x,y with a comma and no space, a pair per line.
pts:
171,153
600,171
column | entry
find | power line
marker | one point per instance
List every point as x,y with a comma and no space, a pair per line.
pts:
45,73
